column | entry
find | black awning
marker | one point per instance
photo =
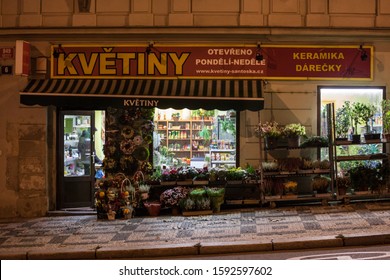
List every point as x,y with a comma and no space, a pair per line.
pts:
100,94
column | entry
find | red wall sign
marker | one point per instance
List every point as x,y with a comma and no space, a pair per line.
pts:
212,62
6,53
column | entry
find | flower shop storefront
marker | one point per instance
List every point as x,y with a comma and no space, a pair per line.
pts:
129,82
129,104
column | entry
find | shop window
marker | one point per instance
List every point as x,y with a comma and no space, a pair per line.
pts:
344,100
197,138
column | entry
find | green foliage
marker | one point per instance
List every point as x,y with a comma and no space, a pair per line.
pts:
361,113
385,104
293,129
343,117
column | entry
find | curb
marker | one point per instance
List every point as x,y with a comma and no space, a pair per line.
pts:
362,240
147,252
207,248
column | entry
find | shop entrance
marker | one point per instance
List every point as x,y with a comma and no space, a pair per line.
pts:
76,159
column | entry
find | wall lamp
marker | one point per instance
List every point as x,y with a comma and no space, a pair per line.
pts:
363,55
57,51
259,55
148,49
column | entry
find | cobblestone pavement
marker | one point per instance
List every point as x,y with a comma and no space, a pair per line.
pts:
259,225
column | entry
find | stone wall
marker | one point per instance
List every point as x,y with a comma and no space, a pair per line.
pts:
262,13
23,155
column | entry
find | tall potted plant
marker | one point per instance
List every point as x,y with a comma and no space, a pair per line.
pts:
385,104
343,123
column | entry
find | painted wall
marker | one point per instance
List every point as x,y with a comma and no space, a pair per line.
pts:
27,134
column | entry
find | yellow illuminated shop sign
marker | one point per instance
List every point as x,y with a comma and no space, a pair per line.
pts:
212,62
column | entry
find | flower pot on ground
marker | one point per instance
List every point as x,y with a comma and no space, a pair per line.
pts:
217,197
172,197
153,207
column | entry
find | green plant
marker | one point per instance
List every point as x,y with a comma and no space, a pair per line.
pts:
236,174
385,105
205,134
364,176
315,141
229,126
343,117
293,129
361,113
320,184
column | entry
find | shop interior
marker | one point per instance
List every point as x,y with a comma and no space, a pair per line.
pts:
197,138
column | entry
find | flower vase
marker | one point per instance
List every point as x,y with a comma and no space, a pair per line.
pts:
153,208
271,142
293,141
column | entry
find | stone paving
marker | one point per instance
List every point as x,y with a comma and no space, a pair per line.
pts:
259,225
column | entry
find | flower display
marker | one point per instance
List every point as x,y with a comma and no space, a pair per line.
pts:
172,197
169,175
268,129
290,187
293,129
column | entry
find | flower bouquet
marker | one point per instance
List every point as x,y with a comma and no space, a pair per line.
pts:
172,197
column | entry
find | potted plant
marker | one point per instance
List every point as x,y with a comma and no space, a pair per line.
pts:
342,184
364,176
343,123
361,113
205,134
217,197
229,126
290,187
172,197
385,104
292,132
176,116
320,184
271,133
143,190
153,207
235,175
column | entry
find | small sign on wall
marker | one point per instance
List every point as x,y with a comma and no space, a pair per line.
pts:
6,70
6,53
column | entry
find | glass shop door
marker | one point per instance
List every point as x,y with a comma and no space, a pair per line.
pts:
76,159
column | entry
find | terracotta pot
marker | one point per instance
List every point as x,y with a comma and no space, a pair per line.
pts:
153,208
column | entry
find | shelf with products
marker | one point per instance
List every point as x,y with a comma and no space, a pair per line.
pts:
185,136
361,169
225,157
294,173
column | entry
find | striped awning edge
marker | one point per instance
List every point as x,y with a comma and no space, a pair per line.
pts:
179,93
